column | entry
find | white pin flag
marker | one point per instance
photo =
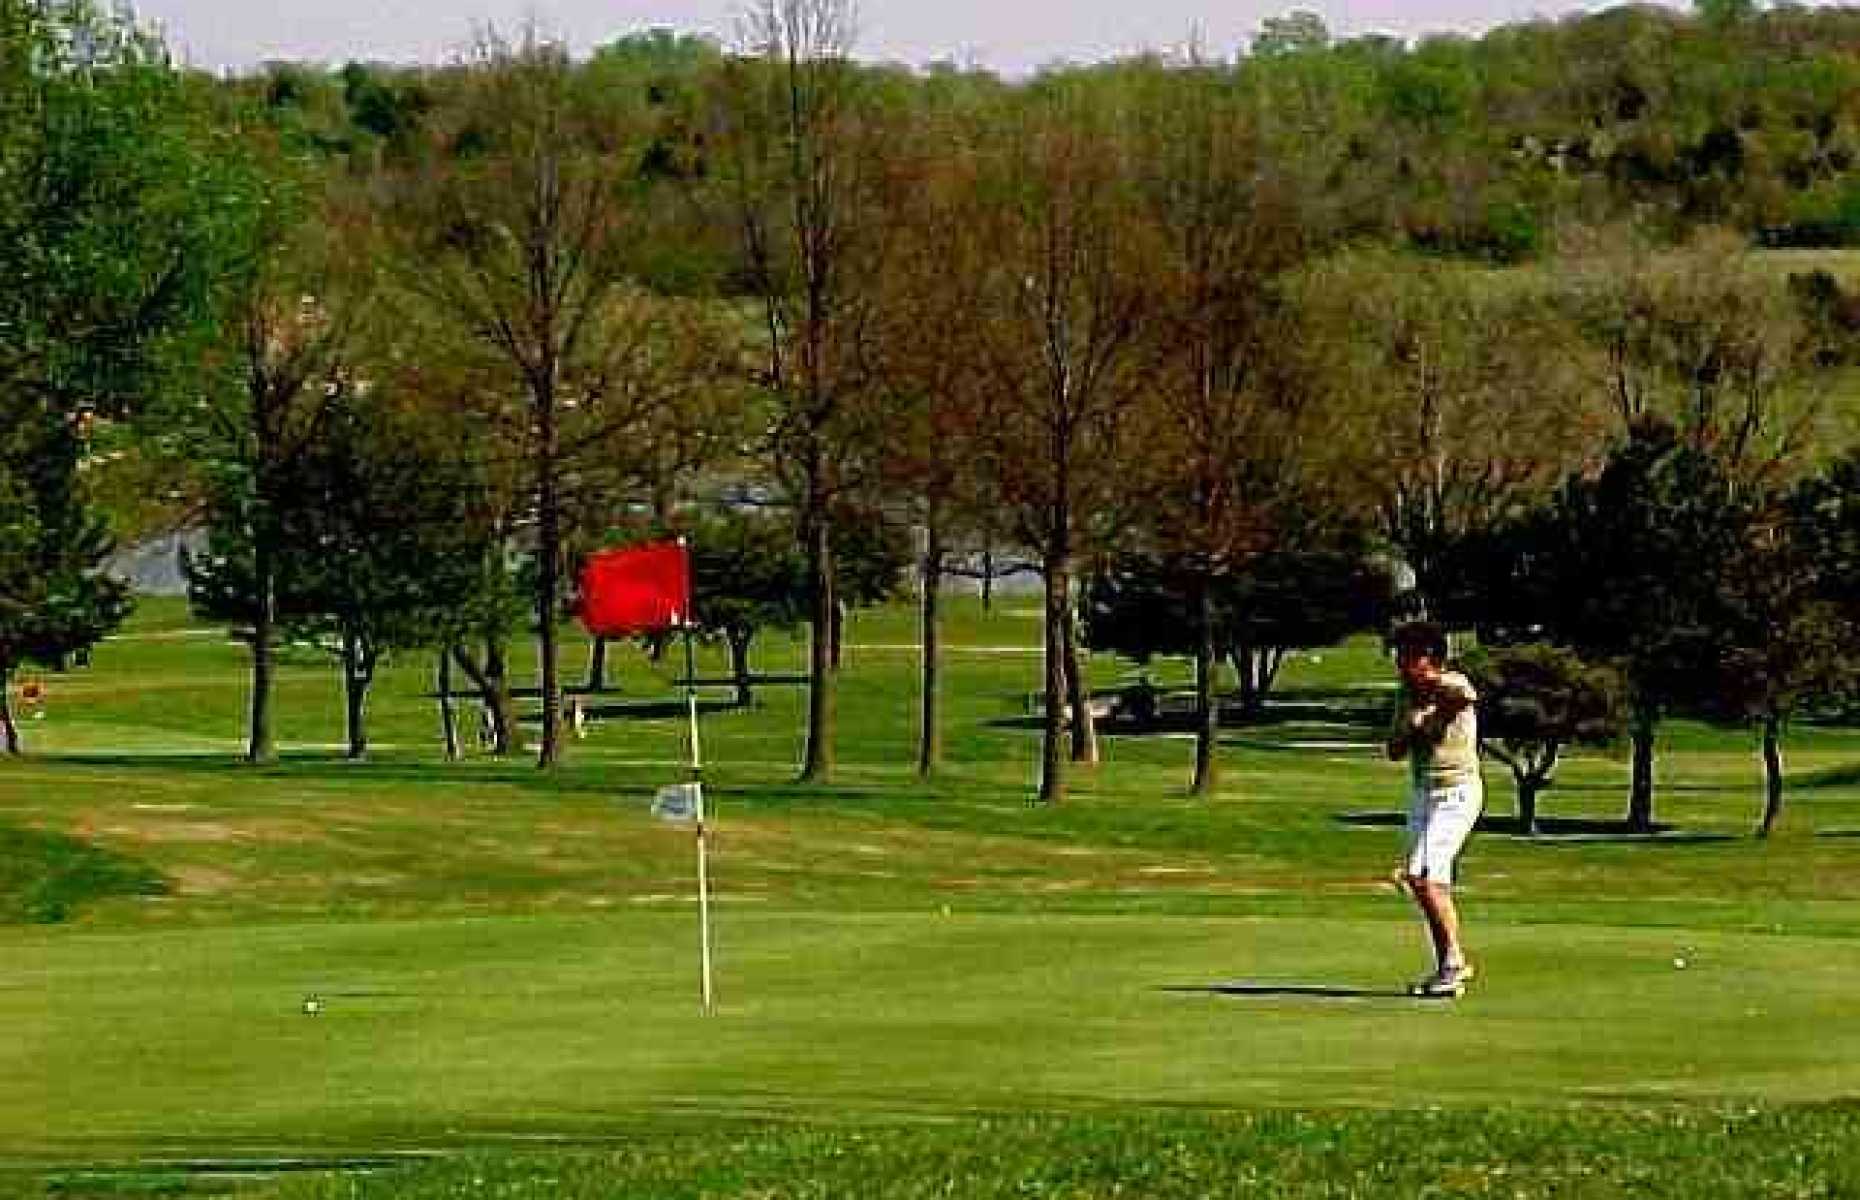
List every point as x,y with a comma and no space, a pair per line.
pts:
681,802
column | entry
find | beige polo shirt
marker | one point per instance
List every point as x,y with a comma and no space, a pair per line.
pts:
1441,753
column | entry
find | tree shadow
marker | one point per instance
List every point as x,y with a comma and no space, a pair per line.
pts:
652,710
1832,777
1556,829
1308,991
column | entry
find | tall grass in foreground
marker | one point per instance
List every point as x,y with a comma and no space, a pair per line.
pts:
1521,1153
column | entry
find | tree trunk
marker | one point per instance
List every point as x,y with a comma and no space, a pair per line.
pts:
448,721
260,746
509,733
1772,773
988,581
739,640
1078,694
597,665
1272,661
1528,786
358,671
1532,776
1052,762
1207,714
1640,790
548,570
818,764
1248,665
9,728
494,691
929,725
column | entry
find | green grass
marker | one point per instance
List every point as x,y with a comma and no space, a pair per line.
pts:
45,877
933,985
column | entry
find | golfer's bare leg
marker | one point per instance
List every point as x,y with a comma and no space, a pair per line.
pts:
1443,920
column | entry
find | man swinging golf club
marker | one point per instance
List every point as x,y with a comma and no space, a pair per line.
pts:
1436,730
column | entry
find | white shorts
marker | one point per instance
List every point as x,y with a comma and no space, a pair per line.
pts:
1439,822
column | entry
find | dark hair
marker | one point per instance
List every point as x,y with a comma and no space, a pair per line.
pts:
1422,637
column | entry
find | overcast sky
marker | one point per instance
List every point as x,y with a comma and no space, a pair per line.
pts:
1007,35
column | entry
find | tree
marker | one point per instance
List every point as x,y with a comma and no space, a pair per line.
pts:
1457,399
378,492
1217,451
519,240
1724,12
1792,642
1058,323
54,595
1298,32
1627,565
925,410
747,574
1291,597
1711,353
115,199
798,159
290,312
1535,700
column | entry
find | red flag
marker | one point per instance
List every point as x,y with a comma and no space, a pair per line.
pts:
637,589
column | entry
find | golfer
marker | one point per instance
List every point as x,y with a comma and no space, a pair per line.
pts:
1436,730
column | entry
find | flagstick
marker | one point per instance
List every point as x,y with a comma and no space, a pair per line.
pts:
697,777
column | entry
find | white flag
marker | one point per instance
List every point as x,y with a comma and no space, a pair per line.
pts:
679,802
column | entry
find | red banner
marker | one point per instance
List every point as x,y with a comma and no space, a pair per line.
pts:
637,589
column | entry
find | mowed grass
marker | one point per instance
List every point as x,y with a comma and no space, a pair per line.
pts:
921,985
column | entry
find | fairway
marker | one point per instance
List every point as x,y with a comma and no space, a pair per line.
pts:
447,1034
503,959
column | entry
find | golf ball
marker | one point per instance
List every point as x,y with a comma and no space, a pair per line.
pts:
1680,963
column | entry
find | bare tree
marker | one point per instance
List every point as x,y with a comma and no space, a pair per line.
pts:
1219,448
799,170
518,235
1057,325
926,409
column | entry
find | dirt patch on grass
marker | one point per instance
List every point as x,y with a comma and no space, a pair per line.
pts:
201,881
158,832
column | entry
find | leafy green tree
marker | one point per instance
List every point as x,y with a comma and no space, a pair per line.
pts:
376,494
1627,566
1791,643
113,202
748,574
1536,700
1725,12
1456,400
1299,32
1291,597
288,319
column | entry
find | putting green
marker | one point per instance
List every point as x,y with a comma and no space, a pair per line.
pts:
442,1033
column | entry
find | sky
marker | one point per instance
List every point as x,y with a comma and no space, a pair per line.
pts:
1009,36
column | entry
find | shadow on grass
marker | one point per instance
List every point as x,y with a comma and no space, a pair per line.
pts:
1175,714
1557,829
1846,775
579,776
1311,991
